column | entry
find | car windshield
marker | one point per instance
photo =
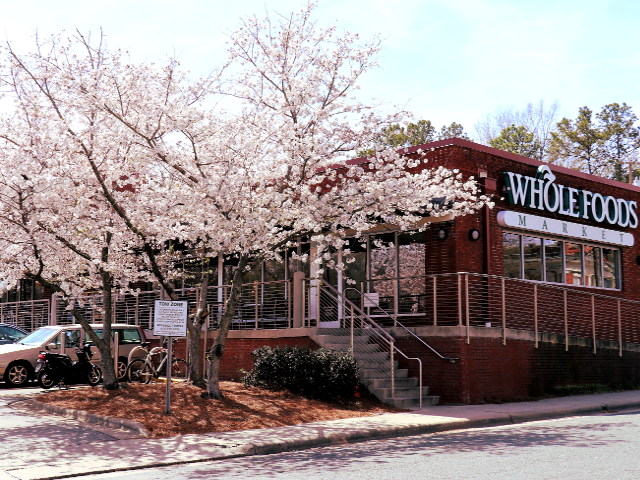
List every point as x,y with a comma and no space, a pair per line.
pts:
37,337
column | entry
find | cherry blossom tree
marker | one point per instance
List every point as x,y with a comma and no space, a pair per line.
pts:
126,157
277,168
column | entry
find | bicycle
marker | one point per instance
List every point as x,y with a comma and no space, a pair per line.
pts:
143,370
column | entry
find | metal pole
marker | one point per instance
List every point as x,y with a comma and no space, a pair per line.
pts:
255,299
167,404
289,289
352,329
435,303
619,329
566,324
593,321
466,298
116,350
317,303
535,312
393,375
137,309
504,315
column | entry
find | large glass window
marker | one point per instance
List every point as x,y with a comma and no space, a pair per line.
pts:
557,261
611,277
382,263
592,274
553,261
532,254
573,263
511,255
411,263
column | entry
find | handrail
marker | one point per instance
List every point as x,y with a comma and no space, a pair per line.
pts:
389,339
356,308
397,322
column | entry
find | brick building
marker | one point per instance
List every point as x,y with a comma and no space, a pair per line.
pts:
540,291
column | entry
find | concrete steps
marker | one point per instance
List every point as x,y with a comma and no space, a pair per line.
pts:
376,371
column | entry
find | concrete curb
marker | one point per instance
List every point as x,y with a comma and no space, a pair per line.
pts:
319,434
83,416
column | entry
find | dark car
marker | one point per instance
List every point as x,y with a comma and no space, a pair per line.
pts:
10,333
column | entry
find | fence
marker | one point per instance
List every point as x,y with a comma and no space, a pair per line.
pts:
478,300
29,315
457,299
263,305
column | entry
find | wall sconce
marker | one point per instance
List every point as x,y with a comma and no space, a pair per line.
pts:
442,234
474,234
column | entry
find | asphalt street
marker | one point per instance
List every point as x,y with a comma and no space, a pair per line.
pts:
599,446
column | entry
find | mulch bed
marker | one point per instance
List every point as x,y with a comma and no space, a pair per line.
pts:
242,407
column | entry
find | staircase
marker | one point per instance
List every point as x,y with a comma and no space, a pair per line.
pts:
376,367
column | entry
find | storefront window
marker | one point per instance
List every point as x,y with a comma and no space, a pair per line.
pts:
573,256
411,259
610,268
592,275
553,260
561,262
383,265
532,253
511,255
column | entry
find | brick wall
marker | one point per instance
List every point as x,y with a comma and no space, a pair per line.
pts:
237,353
490,371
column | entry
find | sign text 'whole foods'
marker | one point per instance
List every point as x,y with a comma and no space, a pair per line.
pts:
541,192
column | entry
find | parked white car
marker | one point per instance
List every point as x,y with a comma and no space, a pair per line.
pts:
18,360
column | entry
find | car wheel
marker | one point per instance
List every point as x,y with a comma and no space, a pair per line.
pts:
122,369
17,375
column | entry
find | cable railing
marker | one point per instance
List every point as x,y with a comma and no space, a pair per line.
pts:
473,300
372,346
369,300
28,315
263,305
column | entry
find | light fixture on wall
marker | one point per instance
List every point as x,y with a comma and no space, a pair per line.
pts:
442,234
474,234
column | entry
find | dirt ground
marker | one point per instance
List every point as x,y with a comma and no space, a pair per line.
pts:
241,409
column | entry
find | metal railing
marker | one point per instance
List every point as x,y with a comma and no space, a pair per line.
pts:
263,305
396,323
28,315
329,306
478,300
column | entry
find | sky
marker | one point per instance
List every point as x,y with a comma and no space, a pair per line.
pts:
444,60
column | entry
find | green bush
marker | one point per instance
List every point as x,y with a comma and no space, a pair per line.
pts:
317,374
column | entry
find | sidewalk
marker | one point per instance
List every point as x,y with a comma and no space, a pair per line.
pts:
104,449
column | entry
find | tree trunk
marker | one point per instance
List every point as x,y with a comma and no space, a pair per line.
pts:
194,327
109,376
217,350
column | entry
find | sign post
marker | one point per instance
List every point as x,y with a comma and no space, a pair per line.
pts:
170,320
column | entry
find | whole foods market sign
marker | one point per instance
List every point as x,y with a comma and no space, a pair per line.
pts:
542,193
552,226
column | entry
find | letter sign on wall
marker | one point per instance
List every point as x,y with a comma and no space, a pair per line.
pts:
552,226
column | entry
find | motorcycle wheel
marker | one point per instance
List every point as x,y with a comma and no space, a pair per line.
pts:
139,372
45,381
94,376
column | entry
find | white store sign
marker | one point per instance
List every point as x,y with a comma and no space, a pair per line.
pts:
170,318
552,226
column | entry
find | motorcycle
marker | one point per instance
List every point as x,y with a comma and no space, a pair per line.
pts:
57,368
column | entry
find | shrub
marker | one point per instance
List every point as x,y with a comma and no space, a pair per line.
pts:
319,374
